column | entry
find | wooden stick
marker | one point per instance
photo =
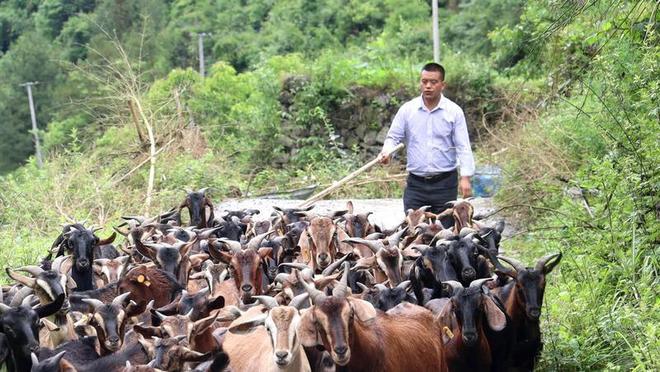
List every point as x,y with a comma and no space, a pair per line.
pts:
136,122
341,182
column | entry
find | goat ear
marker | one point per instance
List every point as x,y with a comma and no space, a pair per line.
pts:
264,251
307,329
146,251
196,260
365,263
66,366
364,310
148,331
447,319
216,303
194,356
240,327
344,248
305,249
202,324
494,315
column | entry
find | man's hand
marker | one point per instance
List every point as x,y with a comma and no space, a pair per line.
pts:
465,187
384,158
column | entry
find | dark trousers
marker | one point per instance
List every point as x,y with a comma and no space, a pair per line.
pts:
435,191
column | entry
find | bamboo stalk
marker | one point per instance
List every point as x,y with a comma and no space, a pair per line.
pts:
341,182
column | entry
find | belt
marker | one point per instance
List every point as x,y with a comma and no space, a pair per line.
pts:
432,177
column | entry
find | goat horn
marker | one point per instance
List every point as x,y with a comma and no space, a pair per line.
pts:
421,248
19,296
454,285
341,290
203,190
119,300
374,236
543,261
333,266
395,238
380,287
362,286
517,265
23,279
189,313
4,308
373,245
299,300
267,301
33,270
254,242
404,284
295,265
223,275
160,315
314,294
281,277
479,282
27,301
94,302
467,232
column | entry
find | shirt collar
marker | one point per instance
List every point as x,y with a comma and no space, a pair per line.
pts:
442,104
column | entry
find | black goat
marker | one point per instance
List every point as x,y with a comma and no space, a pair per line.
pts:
196,202
20,325
82,243
523,298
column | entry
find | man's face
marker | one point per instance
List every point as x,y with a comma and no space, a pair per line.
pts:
431,85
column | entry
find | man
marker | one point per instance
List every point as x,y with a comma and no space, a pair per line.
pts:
434,130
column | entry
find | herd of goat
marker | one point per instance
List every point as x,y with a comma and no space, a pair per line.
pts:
297,291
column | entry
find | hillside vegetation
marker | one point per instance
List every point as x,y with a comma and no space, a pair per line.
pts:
563,95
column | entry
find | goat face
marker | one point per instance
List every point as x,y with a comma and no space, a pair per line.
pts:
195,202
331,321
198,305
463,256
231,229
21,327
110,324
358,225
435,260
531,282
388,298
322,240
245,267
82,243
168,354
281,325
111,269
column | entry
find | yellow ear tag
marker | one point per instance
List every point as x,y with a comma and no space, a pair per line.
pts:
448,332
147,283
140,278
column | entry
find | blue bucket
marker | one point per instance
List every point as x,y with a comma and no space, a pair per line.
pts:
486,181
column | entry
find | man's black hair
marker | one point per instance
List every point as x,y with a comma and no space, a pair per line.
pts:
435,67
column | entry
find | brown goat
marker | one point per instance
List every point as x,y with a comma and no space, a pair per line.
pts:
320,242
348,327
244,263
149,283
